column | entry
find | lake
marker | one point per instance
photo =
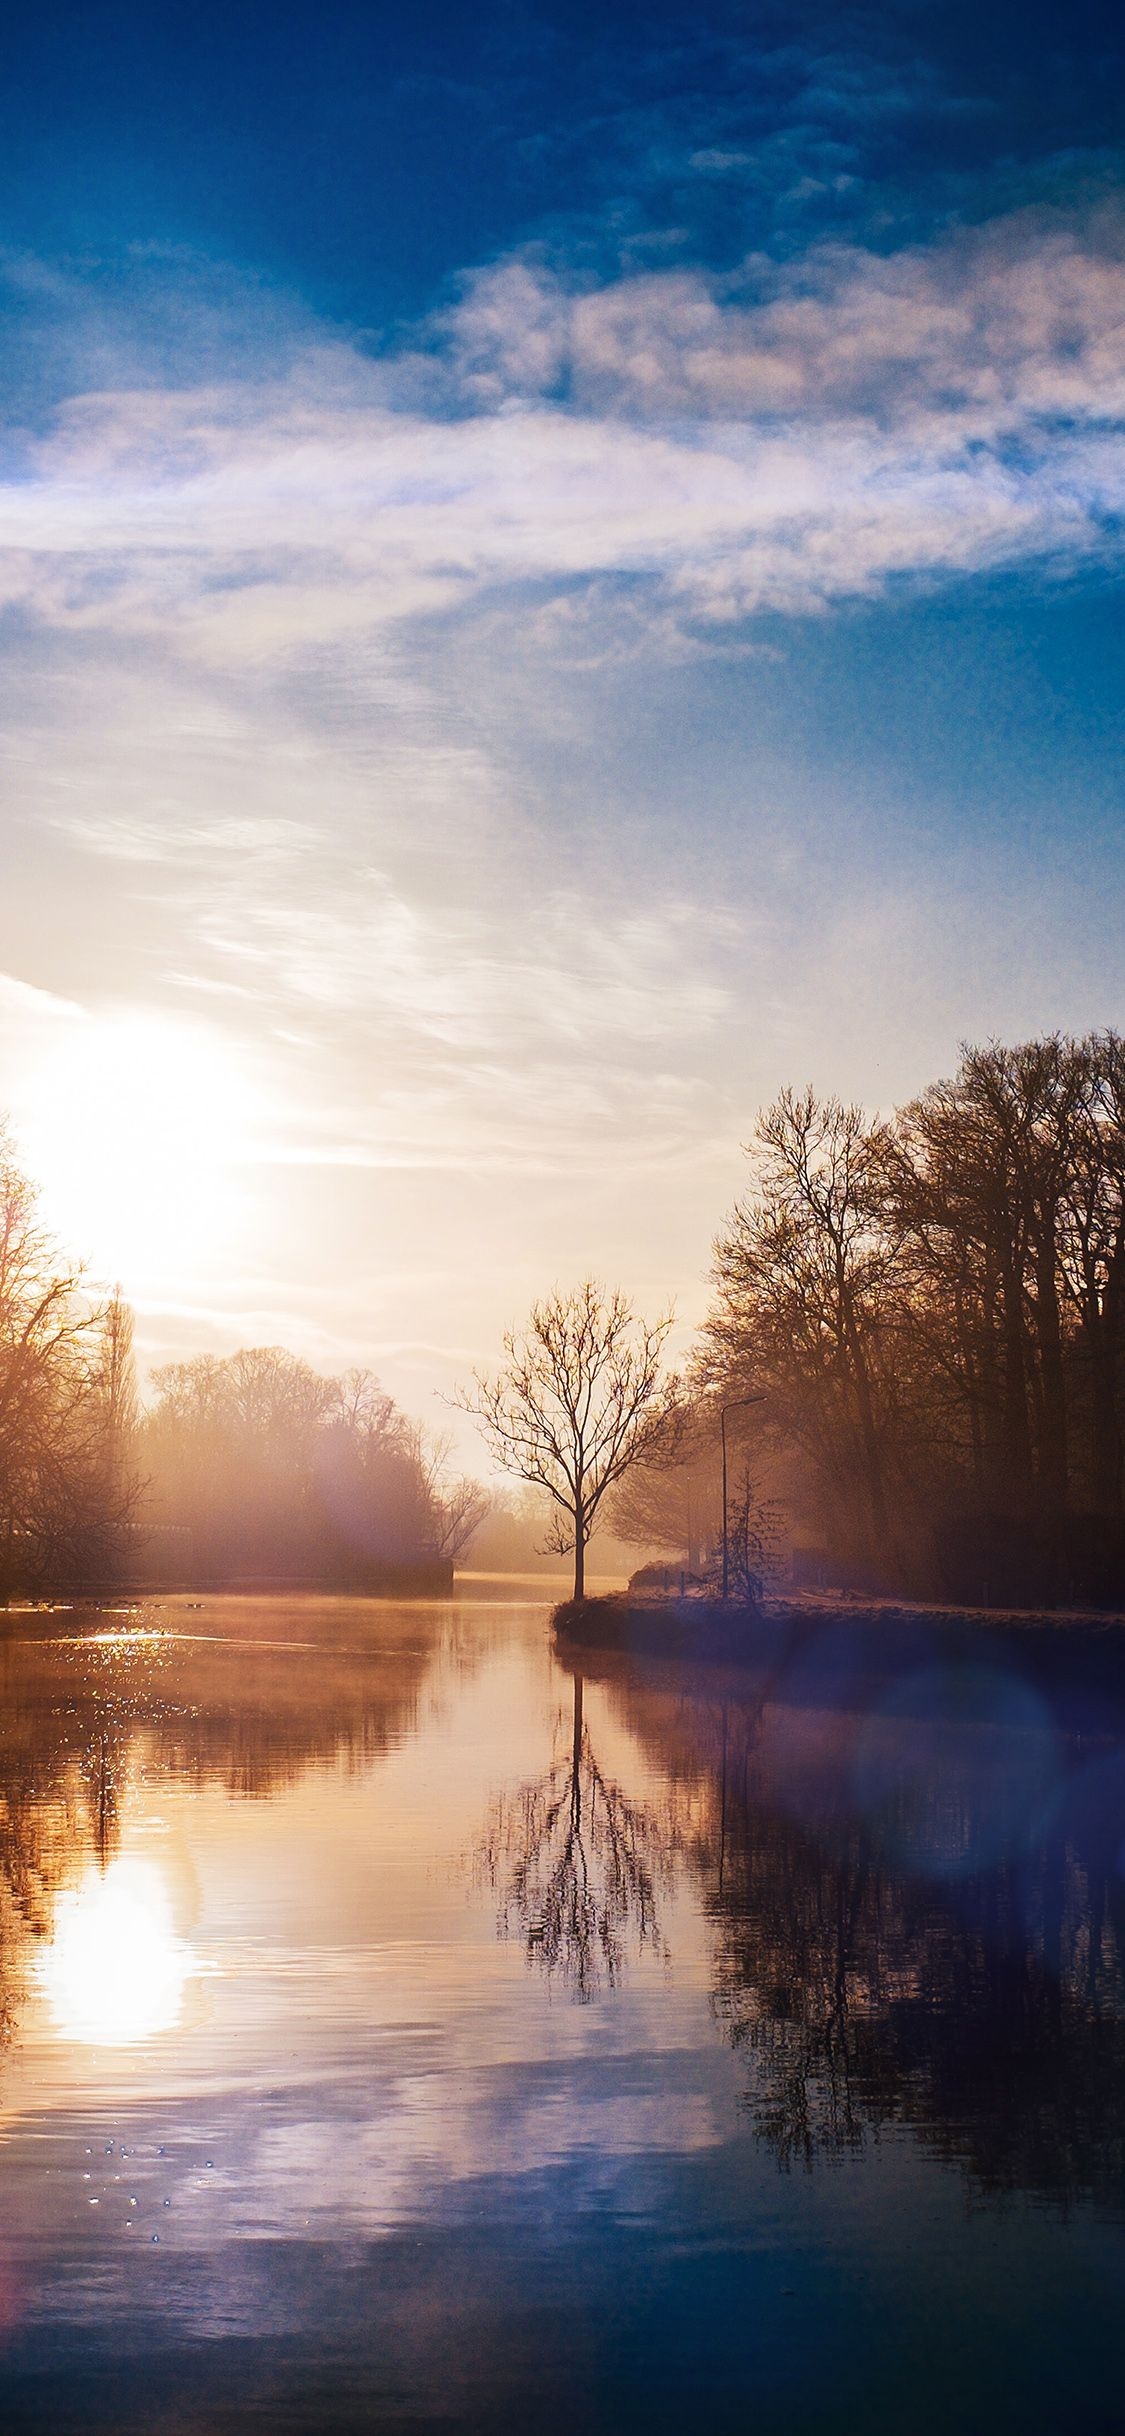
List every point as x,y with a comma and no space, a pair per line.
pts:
400,2031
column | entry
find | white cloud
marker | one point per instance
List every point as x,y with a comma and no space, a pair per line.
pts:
776,442
1022,316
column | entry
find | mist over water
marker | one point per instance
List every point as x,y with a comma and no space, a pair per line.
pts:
400,2029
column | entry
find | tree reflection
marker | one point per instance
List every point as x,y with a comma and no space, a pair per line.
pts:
577,1866
990,2016
82,1716
944,1960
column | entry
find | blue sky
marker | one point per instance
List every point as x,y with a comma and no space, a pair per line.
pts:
562,570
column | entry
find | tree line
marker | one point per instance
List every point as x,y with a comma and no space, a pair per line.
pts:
255,1466
934,1304
927,1312
267,1468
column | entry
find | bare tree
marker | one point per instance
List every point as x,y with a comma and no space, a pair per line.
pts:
673,1499
806,1303
982,1176
577,1402
936,1304
458,1504
1092,1258
65,1501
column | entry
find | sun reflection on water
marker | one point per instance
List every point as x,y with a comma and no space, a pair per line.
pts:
126,1637
116,1969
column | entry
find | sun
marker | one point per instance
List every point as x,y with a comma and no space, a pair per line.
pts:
139,1137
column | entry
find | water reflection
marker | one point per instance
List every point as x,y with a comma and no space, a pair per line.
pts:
116,1969
914,1903
292,2137
577,1866
85,1716
919,1921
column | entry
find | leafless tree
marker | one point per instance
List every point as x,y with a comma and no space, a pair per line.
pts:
458,1504
576,1403
936,1304
65,1495
1092,1258
672,1500
805,1305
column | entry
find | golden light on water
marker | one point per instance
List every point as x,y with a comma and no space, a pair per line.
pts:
137,1136
116,1969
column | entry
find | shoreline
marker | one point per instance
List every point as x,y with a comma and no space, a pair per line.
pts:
832,1652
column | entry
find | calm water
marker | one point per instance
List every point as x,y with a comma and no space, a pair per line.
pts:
400,2033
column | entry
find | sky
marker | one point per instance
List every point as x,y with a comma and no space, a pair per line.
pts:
561,571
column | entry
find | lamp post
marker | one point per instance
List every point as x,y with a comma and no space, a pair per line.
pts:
736,1405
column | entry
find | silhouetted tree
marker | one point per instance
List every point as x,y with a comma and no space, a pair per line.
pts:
936,1306
577,1403
1005,1192
806,1307
66,1489
1091,1247
978,1173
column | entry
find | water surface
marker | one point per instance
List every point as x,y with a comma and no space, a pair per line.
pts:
399,2031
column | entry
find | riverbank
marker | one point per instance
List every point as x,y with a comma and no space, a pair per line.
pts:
664,1627
833,1651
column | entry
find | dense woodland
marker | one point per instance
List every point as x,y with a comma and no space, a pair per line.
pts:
928,1312
261,1466
935,1309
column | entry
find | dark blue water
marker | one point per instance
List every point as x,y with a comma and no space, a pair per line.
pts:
399,2031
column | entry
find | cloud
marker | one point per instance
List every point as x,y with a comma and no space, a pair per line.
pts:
713,161
228,565
144,317
1018,320
775,440
408,1031
411,999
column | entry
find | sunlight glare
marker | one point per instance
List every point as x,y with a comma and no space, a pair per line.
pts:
138,1129
116,1969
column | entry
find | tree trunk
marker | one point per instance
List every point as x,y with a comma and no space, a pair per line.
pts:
872,1454
580,1556
1017,1432
1053,1440
1106,1430
1107,1331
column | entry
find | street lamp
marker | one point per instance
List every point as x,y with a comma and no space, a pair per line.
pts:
736,1405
